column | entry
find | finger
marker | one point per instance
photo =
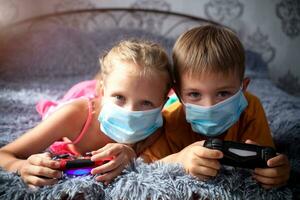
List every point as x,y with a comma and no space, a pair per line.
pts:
278,160
267,172
101,149
42,161
204,171
106,147
283,170
111,165
108,177
248,141
203,152
43,172
109,152
45,155
209,163
39,181
268,180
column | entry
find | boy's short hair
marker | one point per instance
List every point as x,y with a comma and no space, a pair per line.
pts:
206,49
149,56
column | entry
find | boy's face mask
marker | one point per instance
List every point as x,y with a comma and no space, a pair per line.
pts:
215,120
126,126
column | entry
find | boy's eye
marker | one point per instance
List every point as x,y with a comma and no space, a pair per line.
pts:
224,94
147,103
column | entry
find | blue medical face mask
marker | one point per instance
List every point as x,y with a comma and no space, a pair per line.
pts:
126,126
215,120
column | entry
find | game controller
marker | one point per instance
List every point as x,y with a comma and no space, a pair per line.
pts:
242,154
77,166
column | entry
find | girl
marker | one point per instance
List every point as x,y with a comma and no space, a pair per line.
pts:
133,86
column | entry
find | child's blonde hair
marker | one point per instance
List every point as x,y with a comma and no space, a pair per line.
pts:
149,56
207,49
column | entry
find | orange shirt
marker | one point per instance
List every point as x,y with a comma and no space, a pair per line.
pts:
177,132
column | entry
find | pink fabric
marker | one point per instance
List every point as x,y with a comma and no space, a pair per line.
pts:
61,147
85,89
82,89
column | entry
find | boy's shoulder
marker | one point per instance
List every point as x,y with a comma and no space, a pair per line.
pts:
254,107
250,96
252,99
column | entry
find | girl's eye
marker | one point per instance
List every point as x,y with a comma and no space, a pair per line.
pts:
194,95
119,98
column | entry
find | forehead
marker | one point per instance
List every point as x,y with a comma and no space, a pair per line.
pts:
127,78
209,81
131,69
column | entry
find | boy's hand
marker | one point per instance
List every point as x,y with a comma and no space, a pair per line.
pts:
276,175
200,161
122,155
39,170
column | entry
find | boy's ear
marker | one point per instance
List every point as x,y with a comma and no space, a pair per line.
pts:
246,82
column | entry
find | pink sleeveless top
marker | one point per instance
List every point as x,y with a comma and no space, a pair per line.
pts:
85,89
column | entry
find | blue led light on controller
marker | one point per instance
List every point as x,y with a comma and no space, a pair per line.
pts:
78,172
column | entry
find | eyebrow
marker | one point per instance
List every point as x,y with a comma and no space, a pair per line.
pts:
226,88
190,90
218,89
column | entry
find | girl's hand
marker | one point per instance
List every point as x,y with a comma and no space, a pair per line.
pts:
276,175
39,170
200,161
122,155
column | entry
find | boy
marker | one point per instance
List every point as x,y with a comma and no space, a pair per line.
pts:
209,79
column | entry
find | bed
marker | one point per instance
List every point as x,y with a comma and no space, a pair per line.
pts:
42,57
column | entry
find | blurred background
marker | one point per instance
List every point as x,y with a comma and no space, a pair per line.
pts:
270,27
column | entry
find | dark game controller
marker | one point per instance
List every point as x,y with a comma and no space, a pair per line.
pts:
77,166
241,154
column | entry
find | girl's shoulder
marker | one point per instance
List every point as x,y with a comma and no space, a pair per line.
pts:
85,106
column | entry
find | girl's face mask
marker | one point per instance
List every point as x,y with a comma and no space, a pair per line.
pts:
126,126
215,120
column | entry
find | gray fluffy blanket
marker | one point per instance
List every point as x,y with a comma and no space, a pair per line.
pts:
143,181
37,69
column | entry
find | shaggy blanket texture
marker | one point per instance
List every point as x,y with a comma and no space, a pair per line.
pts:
143,181
33,71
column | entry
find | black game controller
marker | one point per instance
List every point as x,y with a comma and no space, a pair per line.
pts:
241,154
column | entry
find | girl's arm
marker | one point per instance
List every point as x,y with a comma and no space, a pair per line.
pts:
65,122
